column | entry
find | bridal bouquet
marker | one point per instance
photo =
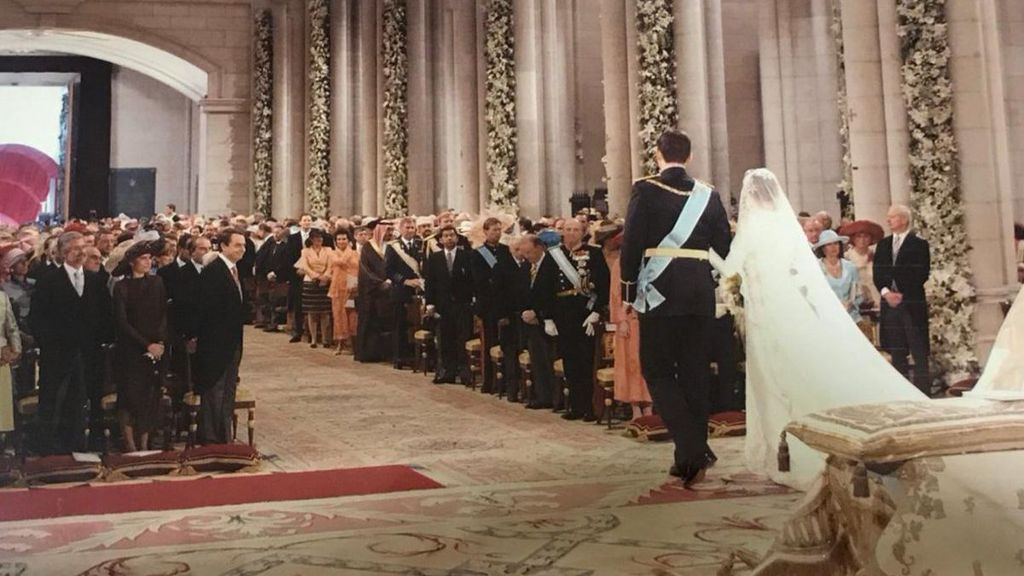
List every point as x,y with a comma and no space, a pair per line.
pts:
732,299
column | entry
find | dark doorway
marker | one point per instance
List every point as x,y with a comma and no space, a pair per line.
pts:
133,192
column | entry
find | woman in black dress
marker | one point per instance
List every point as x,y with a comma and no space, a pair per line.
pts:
373,298
140,317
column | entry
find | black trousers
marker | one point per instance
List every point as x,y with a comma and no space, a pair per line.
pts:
724,352
542,374
402,344
295,306
902,335
674,361
454,328
63,393
491,338
218,406
577,350
511,338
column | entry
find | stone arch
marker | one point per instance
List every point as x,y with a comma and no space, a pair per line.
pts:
133,47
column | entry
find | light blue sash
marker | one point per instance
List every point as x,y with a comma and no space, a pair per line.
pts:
566,267
488,256
647,296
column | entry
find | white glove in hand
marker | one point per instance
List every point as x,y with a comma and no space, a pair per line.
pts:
589,323
549,328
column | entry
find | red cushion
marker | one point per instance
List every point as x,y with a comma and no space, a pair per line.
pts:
732,423
149,465
649,427
221,457
64,468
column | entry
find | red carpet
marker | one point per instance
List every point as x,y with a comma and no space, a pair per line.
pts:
208,491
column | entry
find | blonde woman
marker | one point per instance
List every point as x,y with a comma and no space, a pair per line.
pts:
315,264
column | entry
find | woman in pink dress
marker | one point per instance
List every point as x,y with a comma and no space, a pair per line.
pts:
344,277
629,383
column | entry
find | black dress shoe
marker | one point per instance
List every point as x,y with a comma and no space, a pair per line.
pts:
571,416
537,406
589,418
295,339
694,477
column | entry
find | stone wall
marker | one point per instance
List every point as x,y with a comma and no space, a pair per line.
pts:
213,35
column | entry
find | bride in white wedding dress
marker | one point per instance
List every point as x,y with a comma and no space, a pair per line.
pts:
804,353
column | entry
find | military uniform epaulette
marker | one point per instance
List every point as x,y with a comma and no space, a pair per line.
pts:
654,181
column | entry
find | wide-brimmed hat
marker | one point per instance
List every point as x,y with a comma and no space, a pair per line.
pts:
122,262
12,257
314,233
606,231
829,237
863,227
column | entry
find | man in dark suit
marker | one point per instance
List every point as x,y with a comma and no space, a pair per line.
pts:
403,260
219,338
582,300
70,319
901,268
271,268
537,314
449,293
492,268
672,222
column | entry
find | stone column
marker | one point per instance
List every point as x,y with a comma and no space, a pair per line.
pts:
868,138
618,164
289,107
559,116
897,138
465,98
421,86
980,123
343,129
692,91
224,145
633,80
531,147
720,175
368,175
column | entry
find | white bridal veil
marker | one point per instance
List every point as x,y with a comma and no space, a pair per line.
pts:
804,352
1003,378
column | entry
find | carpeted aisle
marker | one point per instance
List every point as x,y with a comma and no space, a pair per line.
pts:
525,492
182,494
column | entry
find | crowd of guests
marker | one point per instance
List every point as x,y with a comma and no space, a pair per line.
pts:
880,279
159,305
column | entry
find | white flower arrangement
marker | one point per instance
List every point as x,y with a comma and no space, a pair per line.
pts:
659,109
500,106
934,168
262,112
396,109
318,186
846,185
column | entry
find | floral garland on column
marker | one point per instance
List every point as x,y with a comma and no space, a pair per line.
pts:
659,109
262,112
318,186
396,110
501,106
934,171
845,194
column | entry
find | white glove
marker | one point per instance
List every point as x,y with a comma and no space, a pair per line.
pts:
550,329
589,323
430,309
271,276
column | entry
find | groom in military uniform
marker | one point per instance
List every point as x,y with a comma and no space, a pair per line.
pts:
673,221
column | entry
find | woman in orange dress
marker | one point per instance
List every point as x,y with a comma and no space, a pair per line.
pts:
344,279
630,385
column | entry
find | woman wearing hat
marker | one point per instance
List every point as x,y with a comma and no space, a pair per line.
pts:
315,265
841,274
630,386
140,323
864,234
19,288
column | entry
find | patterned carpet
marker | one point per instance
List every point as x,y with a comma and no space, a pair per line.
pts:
526,492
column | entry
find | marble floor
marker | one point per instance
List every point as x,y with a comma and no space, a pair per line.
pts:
525,492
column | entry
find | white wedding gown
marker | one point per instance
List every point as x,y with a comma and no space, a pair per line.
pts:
804,352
